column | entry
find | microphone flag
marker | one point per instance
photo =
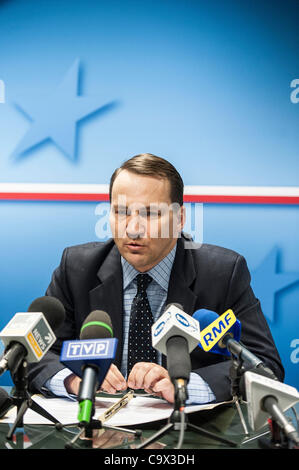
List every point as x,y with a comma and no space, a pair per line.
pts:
77,354
214,328
33,331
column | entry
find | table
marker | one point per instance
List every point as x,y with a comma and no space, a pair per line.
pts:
223,421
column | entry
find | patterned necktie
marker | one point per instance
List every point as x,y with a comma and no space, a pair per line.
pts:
140,338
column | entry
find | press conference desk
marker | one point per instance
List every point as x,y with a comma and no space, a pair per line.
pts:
223,421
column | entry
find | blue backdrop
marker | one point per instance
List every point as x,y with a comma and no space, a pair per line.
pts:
206,85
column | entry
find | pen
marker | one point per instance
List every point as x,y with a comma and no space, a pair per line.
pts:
116,407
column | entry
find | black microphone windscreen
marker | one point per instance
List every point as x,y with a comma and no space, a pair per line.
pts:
52,309
175,304
97,325
178,358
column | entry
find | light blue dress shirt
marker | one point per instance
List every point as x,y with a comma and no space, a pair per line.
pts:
198,390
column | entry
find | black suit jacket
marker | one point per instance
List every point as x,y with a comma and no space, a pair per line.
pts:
89,278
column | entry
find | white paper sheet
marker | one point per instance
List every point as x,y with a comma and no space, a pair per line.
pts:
139,410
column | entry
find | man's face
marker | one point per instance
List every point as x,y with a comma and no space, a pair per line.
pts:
144,223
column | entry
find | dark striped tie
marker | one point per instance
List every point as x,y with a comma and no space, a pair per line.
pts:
140,339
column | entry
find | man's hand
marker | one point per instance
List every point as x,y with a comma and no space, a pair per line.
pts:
153,379
72,384
113,382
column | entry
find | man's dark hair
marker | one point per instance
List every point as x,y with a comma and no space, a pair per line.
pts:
147,164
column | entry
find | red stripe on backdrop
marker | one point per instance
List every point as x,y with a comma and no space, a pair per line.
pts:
53,197
91,197
226,199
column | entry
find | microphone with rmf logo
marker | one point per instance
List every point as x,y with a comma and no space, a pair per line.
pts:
221,334
216,330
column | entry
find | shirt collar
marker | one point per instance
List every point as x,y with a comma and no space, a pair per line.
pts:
160,273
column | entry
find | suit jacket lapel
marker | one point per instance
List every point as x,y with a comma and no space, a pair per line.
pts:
181,278
108,295
182,275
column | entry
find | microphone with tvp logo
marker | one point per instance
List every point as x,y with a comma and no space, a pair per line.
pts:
90,358
31,334
176,334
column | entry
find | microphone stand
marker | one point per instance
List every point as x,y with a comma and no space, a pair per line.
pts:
87,427
236,372
278,424
22,399
179,421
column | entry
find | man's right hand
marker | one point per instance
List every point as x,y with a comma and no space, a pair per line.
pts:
72,384
113,382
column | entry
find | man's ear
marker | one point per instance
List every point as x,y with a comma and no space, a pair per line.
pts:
182,217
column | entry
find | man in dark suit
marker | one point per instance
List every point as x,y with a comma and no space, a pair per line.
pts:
147,218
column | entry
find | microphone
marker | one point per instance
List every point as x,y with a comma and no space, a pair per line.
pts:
90,358
176,334
269,397
31,334
221,335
